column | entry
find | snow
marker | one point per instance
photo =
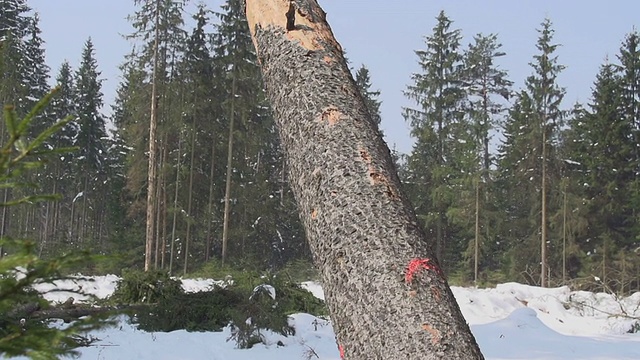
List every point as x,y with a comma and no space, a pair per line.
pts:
510,321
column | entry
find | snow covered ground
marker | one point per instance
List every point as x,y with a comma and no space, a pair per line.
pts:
511,321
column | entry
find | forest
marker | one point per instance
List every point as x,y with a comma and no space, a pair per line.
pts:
509,184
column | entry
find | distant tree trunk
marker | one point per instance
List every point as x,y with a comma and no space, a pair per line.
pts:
207,251
151,187
227,192
163,246
175,203
159,208
543,220
387,296
189,199
476,245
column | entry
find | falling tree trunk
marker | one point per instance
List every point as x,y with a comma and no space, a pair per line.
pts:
387,296
151,187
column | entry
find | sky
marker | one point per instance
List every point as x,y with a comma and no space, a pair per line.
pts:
510,322
383,35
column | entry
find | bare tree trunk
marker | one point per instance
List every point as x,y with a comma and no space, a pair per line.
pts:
189,200
543,233
175,203
227,191
564,235
151,189
5,219
476,247
163,250
209,217
159,206
387,296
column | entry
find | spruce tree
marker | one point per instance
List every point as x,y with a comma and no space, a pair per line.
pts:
158,26
437,90
36,69
91,156
529,153
629,70
604,153
370,97
14,21
253,161
197,81
488,88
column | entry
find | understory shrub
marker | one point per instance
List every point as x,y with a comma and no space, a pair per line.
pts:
138,287
249,303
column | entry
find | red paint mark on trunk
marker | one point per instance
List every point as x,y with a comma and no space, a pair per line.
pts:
416,265
341,351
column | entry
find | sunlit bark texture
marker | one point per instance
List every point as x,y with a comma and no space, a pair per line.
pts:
387,296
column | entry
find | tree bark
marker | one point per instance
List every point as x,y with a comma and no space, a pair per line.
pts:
151,187
386,293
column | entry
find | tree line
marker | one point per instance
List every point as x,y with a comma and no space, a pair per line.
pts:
512,185
509,183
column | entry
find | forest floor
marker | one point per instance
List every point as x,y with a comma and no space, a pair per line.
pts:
510,321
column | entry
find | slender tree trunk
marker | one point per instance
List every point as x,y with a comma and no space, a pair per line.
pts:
83,220
476,247
227,191
543,232
5,219
376,263
207,250
158,211
189,200
175,203
163,250
564,235
151,189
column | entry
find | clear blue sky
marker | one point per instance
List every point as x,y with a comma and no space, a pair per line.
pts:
383,35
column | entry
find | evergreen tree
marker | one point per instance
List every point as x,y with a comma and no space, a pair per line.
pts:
91,123
198,86
36,69
91,156
14,22
59,173
158,27
487,87
604,154
435,124
363,81
629,70
529,154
